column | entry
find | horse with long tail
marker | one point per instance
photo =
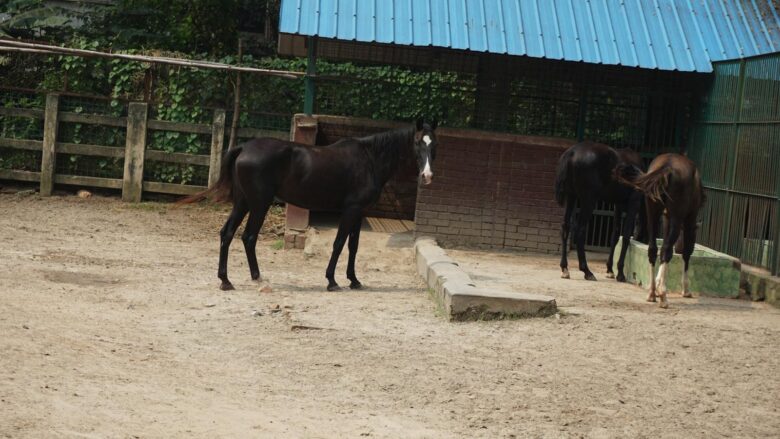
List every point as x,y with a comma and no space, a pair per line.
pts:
346,176
672,187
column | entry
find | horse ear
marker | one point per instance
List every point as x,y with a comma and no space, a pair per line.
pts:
419,124
434,124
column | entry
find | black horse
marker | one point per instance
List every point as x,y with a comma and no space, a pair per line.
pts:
585,174
672,187
346,176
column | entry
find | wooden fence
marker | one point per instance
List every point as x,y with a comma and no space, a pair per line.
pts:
135,153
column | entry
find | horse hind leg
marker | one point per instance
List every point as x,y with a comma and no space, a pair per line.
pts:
226,237
586,212
353,243
653,213
251,233
568,226
667,251
689,242
613,240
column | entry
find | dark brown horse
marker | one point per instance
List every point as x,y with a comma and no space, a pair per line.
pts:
585,175
672,187
346,176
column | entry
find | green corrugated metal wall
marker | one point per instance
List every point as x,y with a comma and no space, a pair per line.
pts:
736,144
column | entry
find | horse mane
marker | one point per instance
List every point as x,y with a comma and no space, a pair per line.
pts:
384,149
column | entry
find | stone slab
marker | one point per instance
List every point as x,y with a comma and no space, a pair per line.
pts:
459,298
710,273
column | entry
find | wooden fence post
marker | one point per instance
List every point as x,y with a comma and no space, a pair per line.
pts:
135,147
217,142
48,156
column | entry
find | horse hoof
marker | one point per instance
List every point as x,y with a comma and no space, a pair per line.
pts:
610,275
226,286
651,298
687,294
590,276
565,274
356,286
621,277
256,277
664,304
334,287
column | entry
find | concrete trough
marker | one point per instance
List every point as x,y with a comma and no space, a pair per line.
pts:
710,273
459,298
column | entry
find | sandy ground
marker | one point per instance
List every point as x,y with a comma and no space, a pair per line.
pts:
112,325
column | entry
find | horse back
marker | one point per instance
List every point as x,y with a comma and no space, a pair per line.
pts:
312,177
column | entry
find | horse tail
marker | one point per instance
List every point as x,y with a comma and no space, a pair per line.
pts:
222,190
654,183
562,176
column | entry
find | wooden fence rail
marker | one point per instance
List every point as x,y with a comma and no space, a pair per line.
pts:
134,152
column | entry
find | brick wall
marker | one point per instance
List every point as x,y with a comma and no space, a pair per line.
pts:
493,191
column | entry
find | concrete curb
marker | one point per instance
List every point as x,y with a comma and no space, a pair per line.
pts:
460,299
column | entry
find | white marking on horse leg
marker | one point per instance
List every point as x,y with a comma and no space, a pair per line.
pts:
661,281
686,287
651,296
565,273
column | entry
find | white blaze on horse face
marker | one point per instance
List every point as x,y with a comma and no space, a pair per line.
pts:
427,174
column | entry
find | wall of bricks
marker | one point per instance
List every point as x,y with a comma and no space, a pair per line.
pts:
493,190
489,190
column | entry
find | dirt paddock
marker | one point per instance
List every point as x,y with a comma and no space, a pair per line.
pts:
112,325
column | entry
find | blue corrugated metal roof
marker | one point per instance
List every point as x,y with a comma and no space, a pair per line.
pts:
686,35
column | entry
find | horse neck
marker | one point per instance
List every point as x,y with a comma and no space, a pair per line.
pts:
384,150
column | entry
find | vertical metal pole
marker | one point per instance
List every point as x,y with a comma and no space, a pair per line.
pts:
732,160
311,72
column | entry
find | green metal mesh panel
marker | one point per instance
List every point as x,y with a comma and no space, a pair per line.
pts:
736,144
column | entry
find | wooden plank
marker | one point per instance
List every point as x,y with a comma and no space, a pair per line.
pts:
94,119
165,125
256,132
132,185
22,112
48,157
217,144
177,157
171,188
11,174
93,150
78,180
31,145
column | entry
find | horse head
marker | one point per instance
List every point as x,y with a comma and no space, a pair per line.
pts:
425,143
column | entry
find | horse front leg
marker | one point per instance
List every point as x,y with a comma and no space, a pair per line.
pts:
346,224
354,241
